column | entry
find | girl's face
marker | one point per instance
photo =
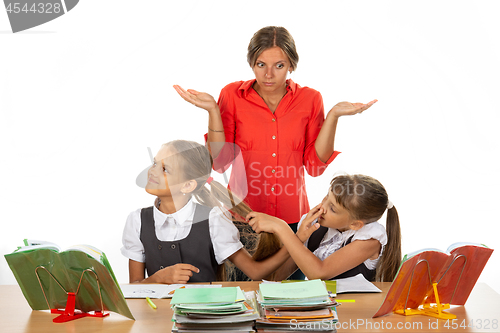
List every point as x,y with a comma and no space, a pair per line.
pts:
335,216
164,178
271,69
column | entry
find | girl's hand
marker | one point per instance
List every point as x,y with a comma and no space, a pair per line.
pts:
349,109
306,227
199,99
178,273
261,222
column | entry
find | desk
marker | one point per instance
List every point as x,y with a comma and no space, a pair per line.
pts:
482,309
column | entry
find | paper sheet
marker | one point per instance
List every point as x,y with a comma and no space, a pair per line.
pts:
356,284
153,290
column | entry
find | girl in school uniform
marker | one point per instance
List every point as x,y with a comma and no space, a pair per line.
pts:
180,240
346,238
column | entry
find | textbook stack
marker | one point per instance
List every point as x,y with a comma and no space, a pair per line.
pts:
213,310
296,306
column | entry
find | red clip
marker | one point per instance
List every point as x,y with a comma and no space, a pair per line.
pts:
69,311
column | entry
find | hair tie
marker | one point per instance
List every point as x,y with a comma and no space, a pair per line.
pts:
389,204
209,180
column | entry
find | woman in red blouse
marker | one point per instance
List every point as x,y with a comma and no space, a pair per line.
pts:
278,125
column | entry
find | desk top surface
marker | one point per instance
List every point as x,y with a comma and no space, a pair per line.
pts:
480,314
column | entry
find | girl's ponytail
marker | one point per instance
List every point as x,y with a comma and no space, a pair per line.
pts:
260,246
196,163
391,257
265,244
236,206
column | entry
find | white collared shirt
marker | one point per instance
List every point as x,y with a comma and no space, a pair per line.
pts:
333,240
173,227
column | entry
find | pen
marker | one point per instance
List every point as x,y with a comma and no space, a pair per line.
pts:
346,300
150,302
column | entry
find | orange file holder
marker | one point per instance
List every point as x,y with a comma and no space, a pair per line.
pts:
428,282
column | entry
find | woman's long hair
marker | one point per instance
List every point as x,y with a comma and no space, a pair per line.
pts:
269,37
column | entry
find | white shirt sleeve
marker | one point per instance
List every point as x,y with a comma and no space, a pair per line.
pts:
372,230
132,245
301,219
376,231
224,235
300,222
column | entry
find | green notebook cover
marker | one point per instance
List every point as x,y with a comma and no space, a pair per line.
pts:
331,285
224,295
224,309
67,268
295,290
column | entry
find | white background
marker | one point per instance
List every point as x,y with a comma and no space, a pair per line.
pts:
83,96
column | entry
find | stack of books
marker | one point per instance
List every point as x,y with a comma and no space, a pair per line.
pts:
296,306
213,310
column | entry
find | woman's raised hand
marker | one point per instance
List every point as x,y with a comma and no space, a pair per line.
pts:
349,109
326,138
199,99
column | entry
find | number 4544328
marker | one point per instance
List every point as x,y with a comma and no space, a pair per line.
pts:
40,7
485,324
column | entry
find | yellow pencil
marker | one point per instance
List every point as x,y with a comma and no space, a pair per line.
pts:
150,302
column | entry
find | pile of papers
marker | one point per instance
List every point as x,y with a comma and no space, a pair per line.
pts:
213,310
296,306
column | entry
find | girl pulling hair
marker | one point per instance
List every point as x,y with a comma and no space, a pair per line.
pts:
178,240
347,239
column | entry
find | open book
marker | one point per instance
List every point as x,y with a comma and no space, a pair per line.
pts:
354,284
455,272
45,275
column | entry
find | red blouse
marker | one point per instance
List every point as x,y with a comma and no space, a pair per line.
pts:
275,147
